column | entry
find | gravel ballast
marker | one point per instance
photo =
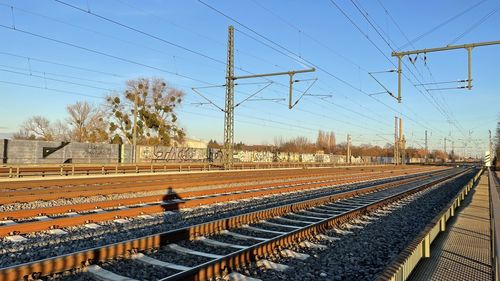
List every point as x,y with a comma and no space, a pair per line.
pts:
43,245
365,249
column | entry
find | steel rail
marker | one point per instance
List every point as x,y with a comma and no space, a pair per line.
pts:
172,190
50,182
33,226
174,194
50,193
79,259
218,267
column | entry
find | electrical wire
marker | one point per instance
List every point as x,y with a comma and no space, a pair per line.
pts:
445,22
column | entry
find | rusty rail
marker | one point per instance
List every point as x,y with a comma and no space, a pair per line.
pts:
26,227
213,268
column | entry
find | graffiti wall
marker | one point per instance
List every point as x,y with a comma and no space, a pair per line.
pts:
171,154
52,152
253,156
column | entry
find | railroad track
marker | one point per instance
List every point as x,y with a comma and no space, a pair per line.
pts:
22,221
19,171
22,190
268,228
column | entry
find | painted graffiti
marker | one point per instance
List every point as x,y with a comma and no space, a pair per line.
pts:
97,151
171,154
46,151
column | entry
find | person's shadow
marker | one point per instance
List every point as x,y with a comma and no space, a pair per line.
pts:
171,202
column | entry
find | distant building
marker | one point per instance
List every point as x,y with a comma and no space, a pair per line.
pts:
192,143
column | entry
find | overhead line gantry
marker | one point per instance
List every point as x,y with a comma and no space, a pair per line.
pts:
468,47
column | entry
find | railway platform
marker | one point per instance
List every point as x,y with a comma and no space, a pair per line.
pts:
467,250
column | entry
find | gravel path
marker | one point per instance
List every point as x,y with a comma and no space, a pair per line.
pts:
367,247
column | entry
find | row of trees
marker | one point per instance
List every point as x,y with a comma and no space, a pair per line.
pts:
150,101
326,142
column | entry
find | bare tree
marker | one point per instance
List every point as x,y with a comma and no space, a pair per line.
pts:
87,122
36,127
61,131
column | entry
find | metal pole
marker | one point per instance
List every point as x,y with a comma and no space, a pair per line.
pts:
452,150
290,98
446,155
134,133
426,152
469,48
469,80
399,79
274,74
229,108
396,154
446,48
348,156
402,142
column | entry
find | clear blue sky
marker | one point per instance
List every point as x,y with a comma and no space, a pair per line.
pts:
314,31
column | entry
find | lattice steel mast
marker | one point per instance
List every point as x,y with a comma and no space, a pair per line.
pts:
227,154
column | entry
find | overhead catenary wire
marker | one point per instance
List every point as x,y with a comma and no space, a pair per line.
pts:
103,53
410,43
475,25
50,89
301,60
438,107
115,22
445,22
56,80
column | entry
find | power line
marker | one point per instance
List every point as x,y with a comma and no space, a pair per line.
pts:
299,59
61,64
466,10
410,43
50,89
56,80
140,31
57,74
102,53
475,25
438,107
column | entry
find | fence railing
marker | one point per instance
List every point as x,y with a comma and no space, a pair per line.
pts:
20,171
495,223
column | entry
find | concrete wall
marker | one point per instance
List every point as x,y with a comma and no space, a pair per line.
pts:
157,154
52,152
45,152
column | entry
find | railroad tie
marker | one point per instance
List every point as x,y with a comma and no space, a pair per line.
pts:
235,276
327,238
105,275
291,254
272,265
281,225
212,242
152,261
311,245
241,236
16,238
181,249
262,230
